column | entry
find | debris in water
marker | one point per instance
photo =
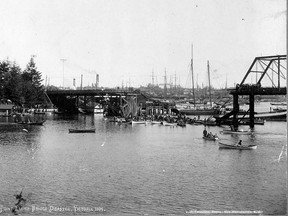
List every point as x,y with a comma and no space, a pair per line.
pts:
83,169
20,202
281,153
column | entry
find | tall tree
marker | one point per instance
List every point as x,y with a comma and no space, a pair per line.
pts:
13,85
10,81
33,90
4,69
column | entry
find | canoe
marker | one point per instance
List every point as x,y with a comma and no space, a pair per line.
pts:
81,130
211,138
228,146
237,132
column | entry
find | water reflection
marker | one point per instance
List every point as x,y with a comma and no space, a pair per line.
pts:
148,169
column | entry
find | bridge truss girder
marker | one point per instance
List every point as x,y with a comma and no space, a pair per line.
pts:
267,67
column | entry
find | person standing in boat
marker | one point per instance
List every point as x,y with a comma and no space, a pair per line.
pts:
240,142
205,132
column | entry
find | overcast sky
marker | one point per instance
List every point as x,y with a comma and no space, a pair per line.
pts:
124,40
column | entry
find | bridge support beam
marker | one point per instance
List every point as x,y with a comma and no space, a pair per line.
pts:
252,109
77,101
235,109
85,101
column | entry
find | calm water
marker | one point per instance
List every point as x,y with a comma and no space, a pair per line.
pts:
145,170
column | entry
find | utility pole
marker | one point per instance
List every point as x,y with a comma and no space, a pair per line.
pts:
63,61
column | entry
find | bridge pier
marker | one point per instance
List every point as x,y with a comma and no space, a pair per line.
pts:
252,109
77,101
85,101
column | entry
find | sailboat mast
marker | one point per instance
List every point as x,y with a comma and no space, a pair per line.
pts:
226,82
193,88
208,68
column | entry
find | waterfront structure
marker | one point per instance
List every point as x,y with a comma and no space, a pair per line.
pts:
6,109
266,70
115,102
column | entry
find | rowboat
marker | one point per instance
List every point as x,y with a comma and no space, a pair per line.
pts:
181,124
138,122
82,130
32,123
210,138
248,132
155,122
240,147
169,124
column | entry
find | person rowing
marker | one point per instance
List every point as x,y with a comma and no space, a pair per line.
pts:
240,143
205,133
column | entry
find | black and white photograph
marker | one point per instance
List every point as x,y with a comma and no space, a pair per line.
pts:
143,107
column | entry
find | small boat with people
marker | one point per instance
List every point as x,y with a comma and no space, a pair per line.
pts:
213,137
181,123
82,130
236,146
209,136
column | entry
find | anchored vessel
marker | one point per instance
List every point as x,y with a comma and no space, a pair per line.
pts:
82,130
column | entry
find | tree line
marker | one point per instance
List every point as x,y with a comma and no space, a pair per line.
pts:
22,87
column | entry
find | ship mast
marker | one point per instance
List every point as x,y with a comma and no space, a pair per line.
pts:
192,76
208,68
